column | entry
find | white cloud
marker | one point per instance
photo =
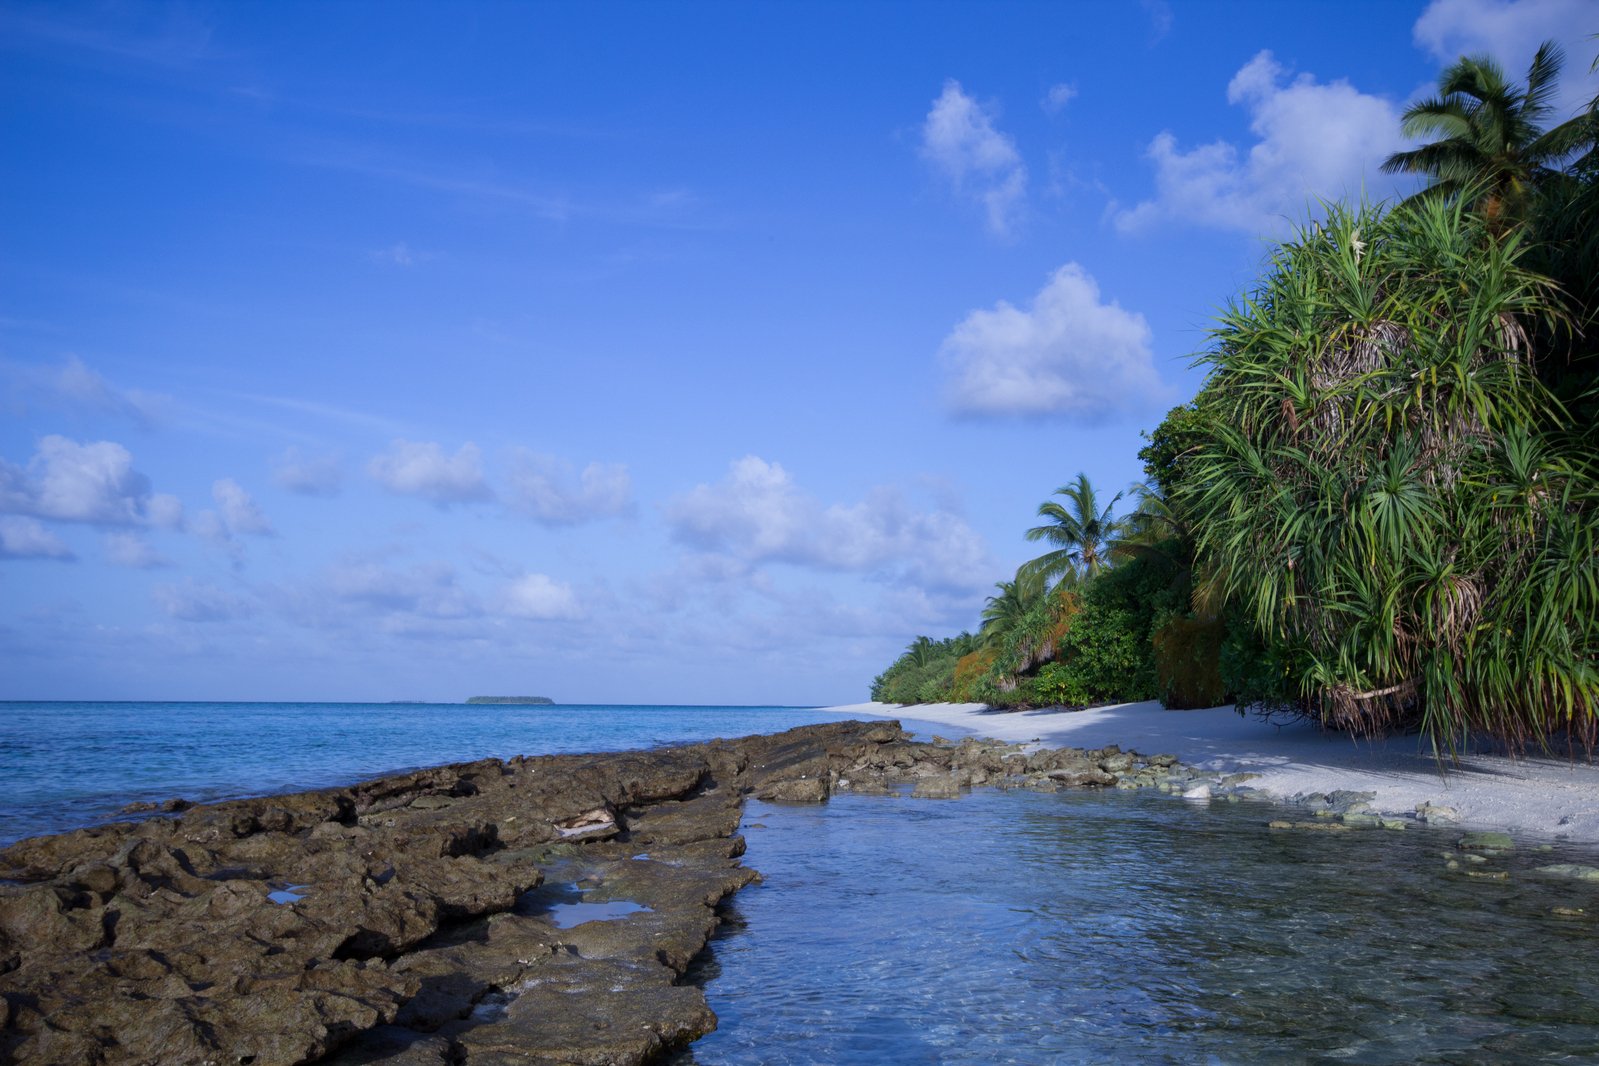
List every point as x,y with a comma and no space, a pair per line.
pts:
542,597
194,601
757,513
126,548
240,514
1315,142
76,482
554,494
1058,96
27,538
959,138
422,469
1160,18
164,511
237,514
1510,31
430,590
400,254
1068,354
74,386
309,475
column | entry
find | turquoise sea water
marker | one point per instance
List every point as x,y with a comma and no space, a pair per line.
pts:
65,765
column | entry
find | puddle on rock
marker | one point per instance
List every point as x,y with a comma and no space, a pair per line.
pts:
565,907
287,894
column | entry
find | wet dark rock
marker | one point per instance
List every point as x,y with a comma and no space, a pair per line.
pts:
417,919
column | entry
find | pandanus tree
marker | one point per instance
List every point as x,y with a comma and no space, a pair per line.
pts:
1491,146
1385,488
1081,531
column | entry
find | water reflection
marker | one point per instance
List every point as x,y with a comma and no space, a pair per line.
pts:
1023,928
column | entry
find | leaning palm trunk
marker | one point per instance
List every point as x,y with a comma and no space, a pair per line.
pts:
1383,489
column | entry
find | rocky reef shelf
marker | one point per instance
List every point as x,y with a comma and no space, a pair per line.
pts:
539,910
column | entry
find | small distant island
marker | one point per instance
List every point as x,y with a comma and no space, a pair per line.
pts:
511,699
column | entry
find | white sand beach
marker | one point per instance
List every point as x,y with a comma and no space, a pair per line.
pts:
1544,796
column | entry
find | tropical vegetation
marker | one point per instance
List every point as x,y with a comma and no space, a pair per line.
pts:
1382,509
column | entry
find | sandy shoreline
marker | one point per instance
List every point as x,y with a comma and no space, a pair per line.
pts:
1532,795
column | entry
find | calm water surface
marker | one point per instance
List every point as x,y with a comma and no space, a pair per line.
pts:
1095,927
65,765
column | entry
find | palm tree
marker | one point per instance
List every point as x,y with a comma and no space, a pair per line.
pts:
920,651
1492,148
1004,612
1081,530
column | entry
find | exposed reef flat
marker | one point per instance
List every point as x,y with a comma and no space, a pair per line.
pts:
439,916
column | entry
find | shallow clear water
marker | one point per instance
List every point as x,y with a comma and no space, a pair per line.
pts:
1133,927
65,765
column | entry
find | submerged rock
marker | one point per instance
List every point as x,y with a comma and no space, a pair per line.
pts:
944,786
1486,841
1573,871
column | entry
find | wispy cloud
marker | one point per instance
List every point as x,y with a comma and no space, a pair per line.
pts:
199,601
308,475
553,493
757,513
398,254
1057,97
960,140
131,549
27,538
73,385
163,37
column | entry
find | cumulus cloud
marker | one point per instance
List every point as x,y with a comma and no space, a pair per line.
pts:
1068,354
197,601
27,538
1056,99
308,475
1314,141
757,513
959,139
126,548
541,597
75,482
417,468
555,494
1510,31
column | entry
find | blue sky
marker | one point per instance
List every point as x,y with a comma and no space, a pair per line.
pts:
621,352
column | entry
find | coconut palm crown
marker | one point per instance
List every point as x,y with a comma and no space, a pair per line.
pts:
1082,531
1491,146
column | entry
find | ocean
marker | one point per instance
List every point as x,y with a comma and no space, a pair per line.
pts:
64,765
